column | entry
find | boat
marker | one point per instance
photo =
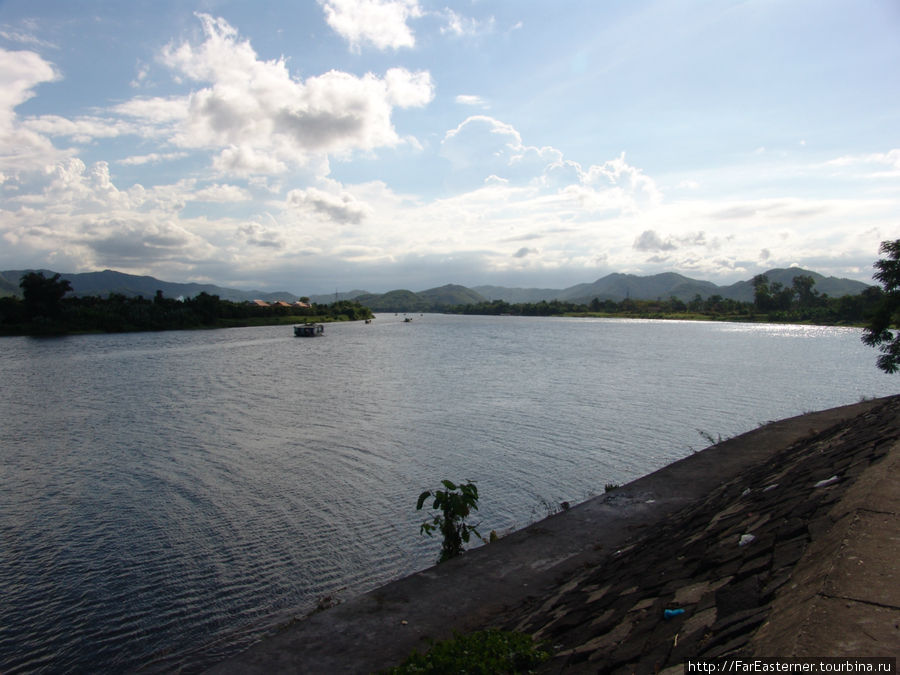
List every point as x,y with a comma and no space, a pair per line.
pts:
308,330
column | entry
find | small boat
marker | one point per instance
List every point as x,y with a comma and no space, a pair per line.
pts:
308,330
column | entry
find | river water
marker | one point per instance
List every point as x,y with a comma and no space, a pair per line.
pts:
166,498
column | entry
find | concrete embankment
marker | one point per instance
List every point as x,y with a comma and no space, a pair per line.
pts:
779,542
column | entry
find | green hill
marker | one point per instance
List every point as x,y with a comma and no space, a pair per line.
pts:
620,286
832,286
395,301
130,285
450,296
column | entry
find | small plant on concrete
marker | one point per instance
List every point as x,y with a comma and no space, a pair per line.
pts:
455,503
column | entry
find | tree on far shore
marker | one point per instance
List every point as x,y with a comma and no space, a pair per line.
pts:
43,296
887,316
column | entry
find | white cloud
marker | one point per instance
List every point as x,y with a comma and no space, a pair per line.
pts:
381,23
25,38
409,90
262,120
81,129
257,234
649,240
471,100
876,165
889,158
482,145
126,243
20,74
155,110
481,141
342,208
220,194
152,158
461,26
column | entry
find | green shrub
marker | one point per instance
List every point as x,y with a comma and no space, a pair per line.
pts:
484,652
455,503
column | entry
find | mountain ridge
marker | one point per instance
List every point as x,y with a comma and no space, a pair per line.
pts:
615,286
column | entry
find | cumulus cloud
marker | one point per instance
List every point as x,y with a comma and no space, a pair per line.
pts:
220,194
342,208
524,252
482,145
380,23
20,74
22,71
482,141
262,120
76,213
125,243
651,241
256,234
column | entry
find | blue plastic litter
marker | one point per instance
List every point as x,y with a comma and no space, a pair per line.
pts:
669,613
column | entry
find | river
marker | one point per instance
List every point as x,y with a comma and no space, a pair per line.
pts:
166,498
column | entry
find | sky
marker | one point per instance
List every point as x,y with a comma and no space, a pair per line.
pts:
312,146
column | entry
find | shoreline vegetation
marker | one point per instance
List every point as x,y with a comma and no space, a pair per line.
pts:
772,303
48,308
46,311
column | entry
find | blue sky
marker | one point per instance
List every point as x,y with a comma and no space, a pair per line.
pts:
326,145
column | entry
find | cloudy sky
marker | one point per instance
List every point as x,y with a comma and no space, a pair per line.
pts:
322,145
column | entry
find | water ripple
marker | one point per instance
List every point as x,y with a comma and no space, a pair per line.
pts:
168,498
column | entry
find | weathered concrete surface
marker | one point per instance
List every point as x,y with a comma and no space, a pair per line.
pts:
844,596
594,580
805,520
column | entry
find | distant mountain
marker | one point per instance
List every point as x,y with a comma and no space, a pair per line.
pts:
395,301
516,295
8,287
617,287
451,295
130,285
620,286
832,286
328,298
614,287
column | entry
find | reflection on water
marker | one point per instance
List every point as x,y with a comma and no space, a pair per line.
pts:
166,497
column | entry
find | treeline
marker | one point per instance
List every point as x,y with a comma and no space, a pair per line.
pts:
45,309
799,303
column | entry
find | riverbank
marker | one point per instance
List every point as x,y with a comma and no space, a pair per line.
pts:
816,494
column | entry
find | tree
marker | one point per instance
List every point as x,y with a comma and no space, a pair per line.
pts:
43,297
455,504
807,296
887,314
761,297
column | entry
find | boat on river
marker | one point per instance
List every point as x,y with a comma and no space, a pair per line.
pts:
308,330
